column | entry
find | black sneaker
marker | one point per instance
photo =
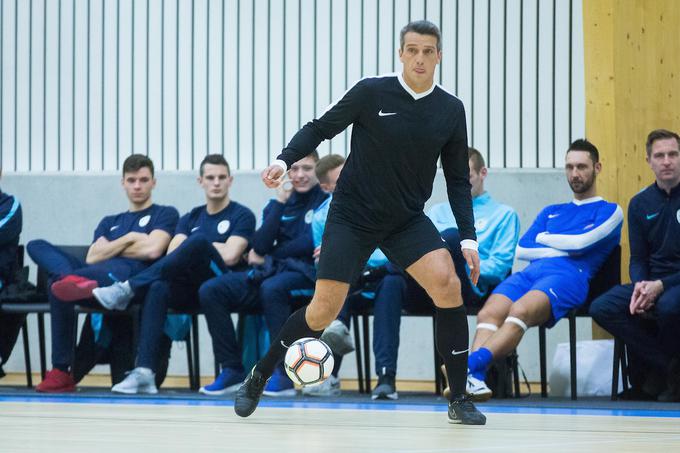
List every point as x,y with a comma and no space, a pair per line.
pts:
463,411
386,389
248,395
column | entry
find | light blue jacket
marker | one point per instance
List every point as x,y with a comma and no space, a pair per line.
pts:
497,227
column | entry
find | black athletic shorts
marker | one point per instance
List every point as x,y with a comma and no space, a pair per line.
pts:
346,246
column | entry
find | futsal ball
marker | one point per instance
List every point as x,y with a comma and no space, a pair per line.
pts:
308,362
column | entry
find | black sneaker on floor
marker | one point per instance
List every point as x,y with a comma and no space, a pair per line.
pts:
463,411
386,389
248,395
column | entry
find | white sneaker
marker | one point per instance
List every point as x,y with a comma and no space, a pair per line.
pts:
139,380
114,297
477,389
329,387
338,338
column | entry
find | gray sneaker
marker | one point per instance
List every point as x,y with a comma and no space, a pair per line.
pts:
338,338
139,380
386,389
114,297
329,387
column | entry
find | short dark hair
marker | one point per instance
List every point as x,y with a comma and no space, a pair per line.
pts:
326,164
582,144
214,159
136,162
660,134
477,159
422,27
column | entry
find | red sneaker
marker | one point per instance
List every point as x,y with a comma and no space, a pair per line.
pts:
73,287
56,381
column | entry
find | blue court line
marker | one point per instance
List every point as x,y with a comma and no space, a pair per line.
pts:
383,406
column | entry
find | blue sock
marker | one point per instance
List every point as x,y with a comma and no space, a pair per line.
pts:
478,362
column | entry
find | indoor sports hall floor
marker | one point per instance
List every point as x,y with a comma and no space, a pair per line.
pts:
94,420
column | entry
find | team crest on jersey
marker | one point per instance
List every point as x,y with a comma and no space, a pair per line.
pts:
144,221
223,226
480,224
677,215
309,216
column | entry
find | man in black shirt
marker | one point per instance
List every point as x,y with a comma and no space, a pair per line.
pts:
402,125
645,313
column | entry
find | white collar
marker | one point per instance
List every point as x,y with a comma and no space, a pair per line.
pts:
413,94
587,201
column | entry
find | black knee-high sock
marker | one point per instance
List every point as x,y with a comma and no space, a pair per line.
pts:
452,344
296,327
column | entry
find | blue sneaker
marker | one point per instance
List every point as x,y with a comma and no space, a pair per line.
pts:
228,381
279,385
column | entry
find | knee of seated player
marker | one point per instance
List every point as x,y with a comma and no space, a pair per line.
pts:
271,288
209,293
531,313
494,311
158,289
668,308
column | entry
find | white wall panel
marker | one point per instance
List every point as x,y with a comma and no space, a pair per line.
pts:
84,83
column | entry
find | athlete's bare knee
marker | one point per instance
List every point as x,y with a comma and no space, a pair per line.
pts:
444,285
320,313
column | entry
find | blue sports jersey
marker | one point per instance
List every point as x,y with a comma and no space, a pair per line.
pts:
234,220
286,228
497,228
155,217
376,259
10,229
580,234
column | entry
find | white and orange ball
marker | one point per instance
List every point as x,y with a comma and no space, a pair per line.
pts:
308,362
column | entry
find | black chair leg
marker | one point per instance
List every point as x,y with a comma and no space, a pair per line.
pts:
367,353
41,344
572,353
190,363
615,369
194,340
27,355
542,353
357,352
515,373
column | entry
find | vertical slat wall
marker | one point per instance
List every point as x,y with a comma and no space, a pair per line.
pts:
87,82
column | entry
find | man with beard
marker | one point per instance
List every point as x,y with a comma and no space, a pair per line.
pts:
565,246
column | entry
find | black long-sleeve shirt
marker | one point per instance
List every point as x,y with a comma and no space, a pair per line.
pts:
397,138
654,235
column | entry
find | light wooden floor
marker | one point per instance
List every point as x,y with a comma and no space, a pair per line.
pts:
62,427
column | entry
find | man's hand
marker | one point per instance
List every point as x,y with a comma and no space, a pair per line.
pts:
644,296
472,259
254,259
272,175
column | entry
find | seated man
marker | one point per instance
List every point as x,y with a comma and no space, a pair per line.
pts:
281,261
497,227
209,240
645,313
565,245
10,229
124,244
